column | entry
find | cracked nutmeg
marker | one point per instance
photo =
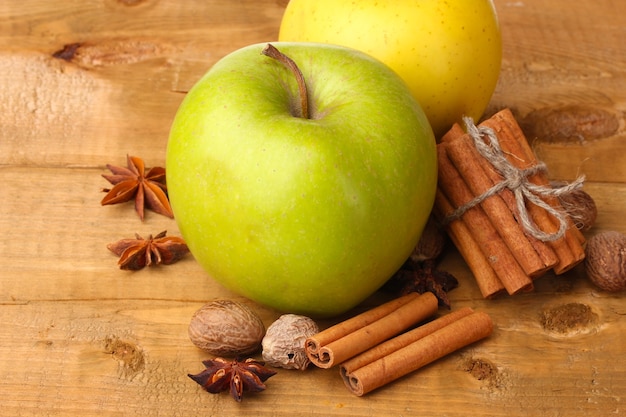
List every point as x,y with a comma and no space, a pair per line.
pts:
139,252
284,341
237,376
149,190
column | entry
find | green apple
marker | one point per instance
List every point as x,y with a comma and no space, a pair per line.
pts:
308,215
448,52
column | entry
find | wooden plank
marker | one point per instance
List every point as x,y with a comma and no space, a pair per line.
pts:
125,80
559,56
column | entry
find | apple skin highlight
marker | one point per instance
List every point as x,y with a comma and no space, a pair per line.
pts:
308,216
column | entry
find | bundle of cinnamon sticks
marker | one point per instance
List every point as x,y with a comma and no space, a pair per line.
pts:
375,348
490,235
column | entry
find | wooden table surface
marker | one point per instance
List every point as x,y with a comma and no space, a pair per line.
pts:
80,337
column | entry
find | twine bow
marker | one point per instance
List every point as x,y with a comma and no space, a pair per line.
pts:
516,179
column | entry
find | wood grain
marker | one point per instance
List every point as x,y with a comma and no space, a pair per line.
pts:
558,55
80,337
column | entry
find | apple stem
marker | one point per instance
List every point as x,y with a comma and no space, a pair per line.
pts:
271,51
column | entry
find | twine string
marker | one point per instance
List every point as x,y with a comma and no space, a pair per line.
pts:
517,180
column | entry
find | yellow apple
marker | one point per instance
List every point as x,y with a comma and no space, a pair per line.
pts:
448,52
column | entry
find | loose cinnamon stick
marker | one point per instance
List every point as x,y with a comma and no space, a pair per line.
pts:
513,142
493,247
336,332
353,336
445,340
488,282
466,158
401,341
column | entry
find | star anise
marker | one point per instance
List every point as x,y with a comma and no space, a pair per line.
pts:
148,190
422,276
139,252
237,376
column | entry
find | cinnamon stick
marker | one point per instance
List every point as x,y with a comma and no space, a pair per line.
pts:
466,158
543,249
401,341
455,131
506,118
353,336
488,282
336,332
569,249
448,338
493,247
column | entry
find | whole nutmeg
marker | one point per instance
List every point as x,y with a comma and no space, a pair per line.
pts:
283,344
605,260
226,328
581,208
